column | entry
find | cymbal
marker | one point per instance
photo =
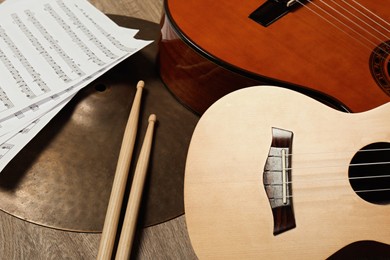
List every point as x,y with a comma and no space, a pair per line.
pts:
63,177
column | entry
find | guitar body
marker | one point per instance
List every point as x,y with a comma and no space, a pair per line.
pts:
228,207
211,48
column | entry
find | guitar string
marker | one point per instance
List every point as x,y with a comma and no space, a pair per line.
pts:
373,14
359,19
364,44
386,37
371,42
342,30
349,19
385,42
368,17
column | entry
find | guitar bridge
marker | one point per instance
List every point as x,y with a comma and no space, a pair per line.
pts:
277,180
272,10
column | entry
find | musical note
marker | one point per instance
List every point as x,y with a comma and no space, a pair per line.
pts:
4,99
91,55
26,64
86,31
38,46
5,148
109,36
49,50
15,74
54,44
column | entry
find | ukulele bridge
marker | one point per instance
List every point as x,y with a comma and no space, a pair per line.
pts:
278,182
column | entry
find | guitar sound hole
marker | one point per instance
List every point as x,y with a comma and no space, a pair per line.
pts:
388,68
369,173
380,66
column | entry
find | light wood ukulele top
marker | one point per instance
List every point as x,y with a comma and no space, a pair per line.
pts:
227,209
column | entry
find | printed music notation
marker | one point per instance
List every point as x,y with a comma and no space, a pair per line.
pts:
4,149
57,48
112,39
49,50
91,55
26,64
5,101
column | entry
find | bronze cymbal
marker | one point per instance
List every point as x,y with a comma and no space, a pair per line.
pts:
63,177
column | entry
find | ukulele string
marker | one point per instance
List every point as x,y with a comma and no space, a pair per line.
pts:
332,153
364,44
357,191
367,177
322,181
337,166
337,179
367,43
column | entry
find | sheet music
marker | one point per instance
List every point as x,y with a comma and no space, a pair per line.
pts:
48,51
48,46
15,143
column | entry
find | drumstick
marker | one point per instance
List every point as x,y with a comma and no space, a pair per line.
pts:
119,184
134,202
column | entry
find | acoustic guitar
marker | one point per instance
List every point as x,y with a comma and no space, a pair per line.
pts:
274,174
336,51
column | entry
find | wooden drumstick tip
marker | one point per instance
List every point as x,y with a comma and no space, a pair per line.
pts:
140,84
152,118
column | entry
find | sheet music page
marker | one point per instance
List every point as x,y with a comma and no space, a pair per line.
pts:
18,120
13,141
16,141
49,46
48,51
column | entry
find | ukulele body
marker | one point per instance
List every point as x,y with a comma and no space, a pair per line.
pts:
228,210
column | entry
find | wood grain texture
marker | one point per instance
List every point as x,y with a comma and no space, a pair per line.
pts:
130,221
193,79
150,10
318,47
227,210
120,180
23,240
20,239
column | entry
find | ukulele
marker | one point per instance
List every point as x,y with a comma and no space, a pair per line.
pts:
336,51
274,174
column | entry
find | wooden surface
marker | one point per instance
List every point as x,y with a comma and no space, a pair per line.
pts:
23,240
